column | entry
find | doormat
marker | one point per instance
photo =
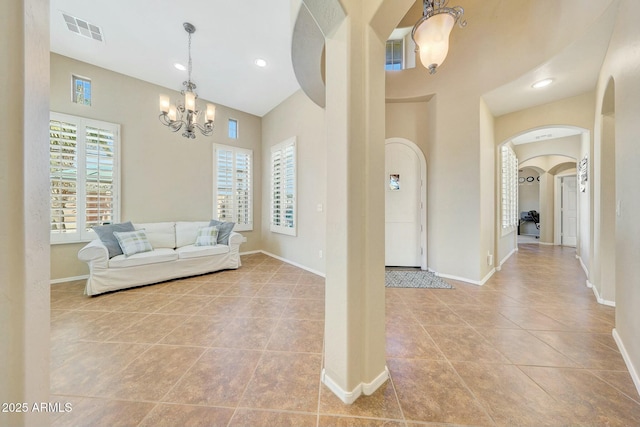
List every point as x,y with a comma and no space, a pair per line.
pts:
413,279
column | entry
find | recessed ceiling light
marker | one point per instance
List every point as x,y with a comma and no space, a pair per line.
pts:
180,66
260,62
542,83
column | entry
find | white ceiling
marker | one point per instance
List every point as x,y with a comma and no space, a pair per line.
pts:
144,38
574,70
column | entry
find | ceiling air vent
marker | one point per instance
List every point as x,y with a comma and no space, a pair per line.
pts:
82,27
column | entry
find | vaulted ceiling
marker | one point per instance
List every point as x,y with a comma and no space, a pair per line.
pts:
144,38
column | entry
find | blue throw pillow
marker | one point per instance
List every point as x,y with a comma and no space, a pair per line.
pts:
224,230
105,233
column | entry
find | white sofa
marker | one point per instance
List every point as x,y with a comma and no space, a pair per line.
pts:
174,255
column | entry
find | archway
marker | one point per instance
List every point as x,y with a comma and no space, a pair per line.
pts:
551,149
550,167
606,208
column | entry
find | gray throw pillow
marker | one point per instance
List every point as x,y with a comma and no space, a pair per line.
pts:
224,230
105,233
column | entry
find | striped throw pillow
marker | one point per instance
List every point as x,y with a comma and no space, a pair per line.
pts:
207,236
133,242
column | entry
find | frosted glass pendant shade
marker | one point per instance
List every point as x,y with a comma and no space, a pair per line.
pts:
211,113
165,103
189,101
432,38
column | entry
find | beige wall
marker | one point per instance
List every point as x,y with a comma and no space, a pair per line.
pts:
298,116
165,177
574,111
487,188
623,65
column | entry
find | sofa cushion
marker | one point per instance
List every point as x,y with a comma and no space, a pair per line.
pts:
207,236
193,251
160,234
152,257
105,233
225,229
133,242
186,232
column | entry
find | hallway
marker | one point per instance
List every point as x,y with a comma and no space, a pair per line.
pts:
244,347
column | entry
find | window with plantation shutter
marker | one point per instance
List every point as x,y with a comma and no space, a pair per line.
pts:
233,186
83,175
283,188
509,186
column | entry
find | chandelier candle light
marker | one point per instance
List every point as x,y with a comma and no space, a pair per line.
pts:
431,32
177,116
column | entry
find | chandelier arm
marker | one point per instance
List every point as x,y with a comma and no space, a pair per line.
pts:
205,129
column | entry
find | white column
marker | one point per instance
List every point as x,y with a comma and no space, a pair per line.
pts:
355,315
24,211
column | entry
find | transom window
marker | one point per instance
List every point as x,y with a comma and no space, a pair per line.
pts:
233,129
394,54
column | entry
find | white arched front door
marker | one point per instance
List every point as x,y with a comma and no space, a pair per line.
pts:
405,204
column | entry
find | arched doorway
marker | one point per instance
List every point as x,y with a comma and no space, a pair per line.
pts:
606,205
550,149
405,204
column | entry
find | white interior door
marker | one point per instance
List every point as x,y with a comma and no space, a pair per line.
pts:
402,206
569,211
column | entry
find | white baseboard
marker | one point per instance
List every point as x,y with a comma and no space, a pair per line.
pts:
68,279
506,258
310,270
627,360
584,267
466,280
546,244
250,252
598,297
349,397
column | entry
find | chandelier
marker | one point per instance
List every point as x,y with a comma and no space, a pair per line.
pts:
186,115
431,32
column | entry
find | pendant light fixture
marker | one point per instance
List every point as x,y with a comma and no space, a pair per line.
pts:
431,32
186,115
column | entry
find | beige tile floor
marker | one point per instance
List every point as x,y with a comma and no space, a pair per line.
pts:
244,348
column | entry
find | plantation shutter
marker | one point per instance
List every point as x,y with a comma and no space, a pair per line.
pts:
243,189
224,180
63,177
283,187
509,200
233,198
276,188
83,175
100,163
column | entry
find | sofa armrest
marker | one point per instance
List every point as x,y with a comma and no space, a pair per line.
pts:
95,253
235,238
